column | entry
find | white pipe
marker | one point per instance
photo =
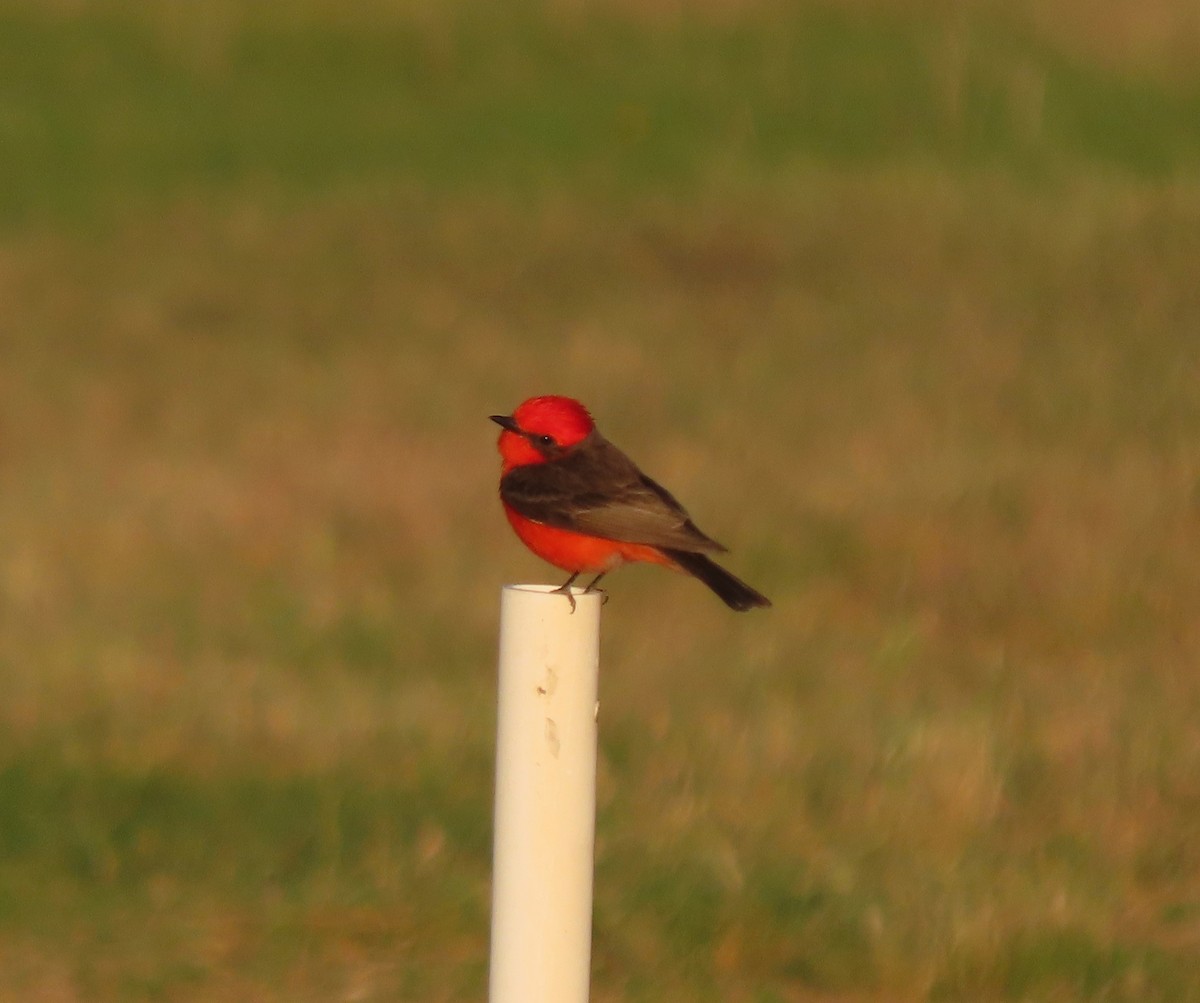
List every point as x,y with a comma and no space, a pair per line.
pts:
545,796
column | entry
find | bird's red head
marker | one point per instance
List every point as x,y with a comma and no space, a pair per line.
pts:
541,428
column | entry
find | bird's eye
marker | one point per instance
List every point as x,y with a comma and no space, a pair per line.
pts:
545,440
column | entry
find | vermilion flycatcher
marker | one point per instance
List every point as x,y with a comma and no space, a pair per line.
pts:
578,502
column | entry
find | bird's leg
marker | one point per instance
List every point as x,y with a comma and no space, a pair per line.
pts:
592,587
565,589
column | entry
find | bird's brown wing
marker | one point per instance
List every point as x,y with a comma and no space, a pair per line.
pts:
596,489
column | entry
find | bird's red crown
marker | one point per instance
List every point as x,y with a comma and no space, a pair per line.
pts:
564,418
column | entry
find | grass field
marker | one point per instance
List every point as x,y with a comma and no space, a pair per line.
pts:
904,303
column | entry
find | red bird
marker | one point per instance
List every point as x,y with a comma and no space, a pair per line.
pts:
578,502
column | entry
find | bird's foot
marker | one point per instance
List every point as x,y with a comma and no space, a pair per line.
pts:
565,589
592,588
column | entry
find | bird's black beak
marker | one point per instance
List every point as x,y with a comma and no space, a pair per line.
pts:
506,421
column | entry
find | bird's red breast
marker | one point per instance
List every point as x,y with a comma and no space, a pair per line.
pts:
573,551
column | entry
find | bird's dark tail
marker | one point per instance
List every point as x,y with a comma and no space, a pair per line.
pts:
735,593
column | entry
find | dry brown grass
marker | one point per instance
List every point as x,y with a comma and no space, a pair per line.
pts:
944,414
250,528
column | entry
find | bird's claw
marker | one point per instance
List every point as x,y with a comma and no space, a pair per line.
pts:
565,590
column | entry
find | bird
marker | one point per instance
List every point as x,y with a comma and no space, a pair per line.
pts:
581,504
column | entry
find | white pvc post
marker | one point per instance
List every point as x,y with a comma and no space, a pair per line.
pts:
545,819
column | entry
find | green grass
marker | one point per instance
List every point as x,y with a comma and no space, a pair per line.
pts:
902,306
111,105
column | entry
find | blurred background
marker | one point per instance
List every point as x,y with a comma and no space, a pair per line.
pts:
901,299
